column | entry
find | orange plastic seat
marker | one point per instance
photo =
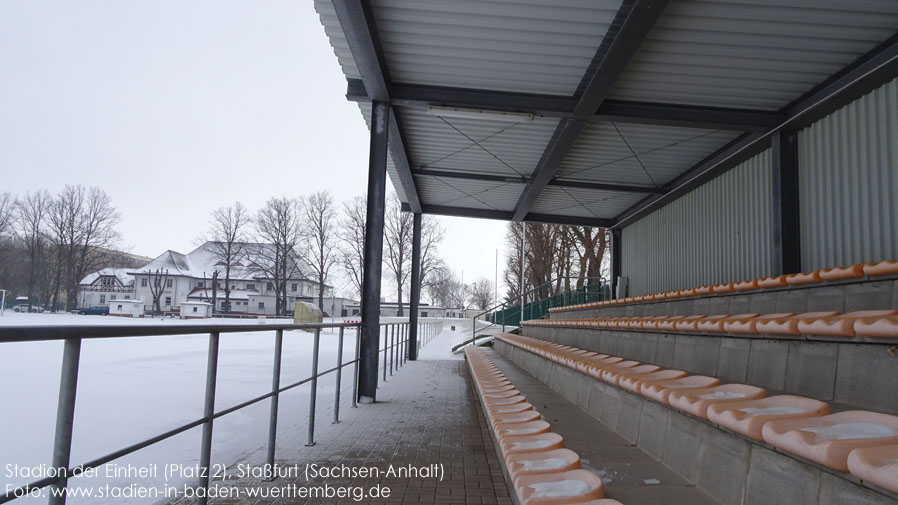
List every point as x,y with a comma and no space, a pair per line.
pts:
688,323
803,278
886,267
574,486
750,324
876,465
505,401
515,417
841,325
634,382
496,388
554,461
829,439
745,285
880,327
686,292
855,271
517,429
749,417
697,401
539,442
613,375
704,290
789,325
503,394
772,282
715,324
660,390
514,408
654,323
727,287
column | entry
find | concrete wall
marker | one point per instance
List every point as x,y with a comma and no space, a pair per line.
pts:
732,469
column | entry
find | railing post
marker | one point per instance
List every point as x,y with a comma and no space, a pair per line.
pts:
313,396
355,373
65,414
386,347
208,413
275,396
392,348
339,377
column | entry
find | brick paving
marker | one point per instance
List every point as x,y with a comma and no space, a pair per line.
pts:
426,414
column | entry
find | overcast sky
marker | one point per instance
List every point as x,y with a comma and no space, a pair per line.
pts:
179,107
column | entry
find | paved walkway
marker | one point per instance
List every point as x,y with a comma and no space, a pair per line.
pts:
425,415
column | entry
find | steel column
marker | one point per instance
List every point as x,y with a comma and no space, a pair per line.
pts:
615,259
355,371
208,413
374,236
786,223
416,287
65,414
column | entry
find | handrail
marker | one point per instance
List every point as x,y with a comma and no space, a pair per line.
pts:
395,349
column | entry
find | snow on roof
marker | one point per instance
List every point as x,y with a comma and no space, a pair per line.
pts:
236,294
122,274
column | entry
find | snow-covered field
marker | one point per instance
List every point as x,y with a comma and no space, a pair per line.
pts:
132,388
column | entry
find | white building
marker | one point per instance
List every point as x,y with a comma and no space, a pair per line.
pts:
105,286
126,308
189,278
391,309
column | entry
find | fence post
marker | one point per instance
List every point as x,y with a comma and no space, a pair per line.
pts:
65,414
339,377
208,413
355,373
275,386
314,393
392,348
386,347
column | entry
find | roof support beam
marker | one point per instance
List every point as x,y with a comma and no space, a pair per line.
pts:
620,111
600,186
357,23
629,29
503,215
865,74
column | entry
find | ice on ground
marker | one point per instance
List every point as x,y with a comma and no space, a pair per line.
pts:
567,487
847,431
771,411
651,482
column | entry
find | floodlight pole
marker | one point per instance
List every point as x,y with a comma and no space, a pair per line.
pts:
416,288
374,248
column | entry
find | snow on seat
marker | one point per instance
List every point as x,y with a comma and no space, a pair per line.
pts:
613,375
574,486
514,408
660,390
789,325
528,428
750,324
855,271
877,465
878,327
503,394
745,285
553,461
716,324
697,401
829,439
515,417
504,401
539,442
634,382
886,267
688,323
749,417
496,388
841,325
772,282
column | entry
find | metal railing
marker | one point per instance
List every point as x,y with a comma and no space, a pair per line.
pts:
395,351
596,289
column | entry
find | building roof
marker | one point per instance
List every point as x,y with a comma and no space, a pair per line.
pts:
595,112
121,274
236,294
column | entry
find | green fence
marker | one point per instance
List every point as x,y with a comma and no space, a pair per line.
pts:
540,308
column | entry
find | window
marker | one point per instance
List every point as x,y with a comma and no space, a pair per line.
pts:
119,306
250,285
218,285
107,281
168,283
194,309
112,297
261,305
269,287
143,282
424,314
127,297
168,300
200,284
293,287
102,298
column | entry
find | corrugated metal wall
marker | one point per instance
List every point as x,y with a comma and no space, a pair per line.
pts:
719,232
848,169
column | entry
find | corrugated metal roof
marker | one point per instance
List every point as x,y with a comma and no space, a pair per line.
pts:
751,53
473,145
334,32
583,202
601,153
365,109
535,46
468,193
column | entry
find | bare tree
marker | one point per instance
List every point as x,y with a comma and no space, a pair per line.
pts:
226,240
446,289
157,279
277,225
7,212
319,240
398,245
432,233
352,241
482,293
32,212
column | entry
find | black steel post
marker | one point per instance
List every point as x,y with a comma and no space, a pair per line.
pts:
374,235
355,371
65,414
392,347
339,378
786,224
615,260
386,349
208,413
416,287
275,386
313,395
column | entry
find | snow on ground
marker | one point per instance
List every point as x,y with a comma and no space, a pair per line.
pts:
130,389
